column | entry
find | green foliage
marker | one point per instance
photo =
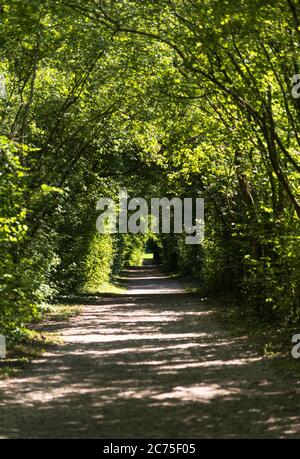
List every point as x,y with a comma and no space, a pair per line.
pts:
166,98
98,263
135,248
23,272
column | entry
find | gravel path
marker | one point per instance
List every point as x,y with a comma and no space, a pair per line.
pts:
151,363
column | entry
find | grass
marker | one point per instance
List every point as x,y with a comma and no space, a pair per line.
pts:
108,288
116,287
148,256
29,344
59,311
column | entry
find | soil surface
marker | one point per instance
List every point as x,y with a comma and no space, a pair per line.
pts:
150,363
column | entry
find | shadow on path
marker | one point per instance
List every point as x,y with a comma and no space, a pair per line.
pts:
151,363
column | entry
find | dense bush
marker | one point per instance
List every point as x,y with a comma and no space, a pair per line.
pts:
25,264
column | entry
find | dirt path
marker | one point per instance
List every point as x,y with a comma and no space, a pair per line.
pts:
149,363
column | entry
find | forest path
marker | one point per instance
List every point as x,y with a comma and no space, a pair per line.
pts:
151,363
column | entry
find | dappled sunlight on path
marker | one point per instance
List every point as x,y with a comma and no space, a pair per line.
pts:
151,362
